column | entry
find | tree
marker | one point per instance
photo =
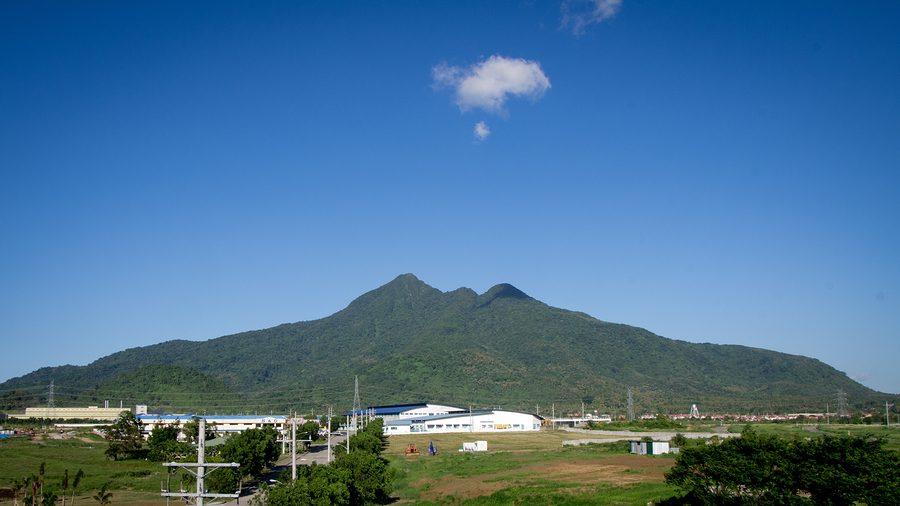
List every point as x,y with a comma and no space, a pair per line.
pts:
754,469
163,443
126,436
748,469
309,430
253,449
75,482
370,478
192,430
845,470
360,478
20,488
336,421
102,496
315,486
48,497
65,485
679,440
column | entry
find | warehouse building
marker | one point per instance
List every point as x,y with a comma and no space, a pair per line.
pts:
224,424
430,418
404,411
88,413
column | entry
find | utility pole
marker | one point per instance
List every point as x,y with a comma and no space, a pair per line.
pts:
293,449
329,435
201,473
887,414
201,459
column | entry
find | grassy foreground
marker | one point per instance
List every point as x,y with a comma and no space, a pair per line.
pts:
135,481
525,468
520,468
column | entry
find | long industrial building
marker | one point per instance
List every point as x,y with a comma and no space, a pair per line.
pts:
88,413
428,418
224,424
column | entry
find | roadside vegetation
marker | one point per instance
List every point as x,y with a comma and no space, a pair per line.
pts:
770,470
361,477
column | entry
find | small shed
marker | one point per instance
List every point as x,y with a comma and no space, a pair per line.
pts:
649,447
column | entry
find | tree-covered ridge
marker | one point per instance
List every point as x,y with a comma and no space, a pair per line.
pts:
408,341
168,387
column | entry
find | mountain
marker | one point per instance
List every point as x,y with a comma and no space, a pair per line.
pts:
407,341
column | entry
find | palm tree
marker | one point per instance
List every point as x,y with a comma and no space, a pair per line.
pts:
20,487
103,496
65,486
49,497
78,476
41,479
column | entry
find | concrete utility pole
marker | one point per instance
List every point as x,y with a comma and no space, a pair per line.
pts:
201,473
329,435
293,449
201,459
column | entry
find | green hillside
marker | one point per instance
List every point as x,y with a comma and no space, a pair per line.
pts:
166,387
408,342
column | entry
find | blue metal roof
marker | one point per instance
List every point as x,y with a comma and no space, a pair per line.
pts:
215,417
393,409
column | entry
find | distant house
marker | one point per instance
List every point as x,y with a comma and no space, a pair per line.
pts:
649,447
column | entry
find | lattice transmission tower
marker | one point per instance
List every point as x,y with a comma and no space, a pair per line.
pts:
630,406
51,406
356,406
842,404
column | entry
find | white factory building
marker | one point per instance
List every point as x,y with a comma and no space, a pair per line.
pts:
428,418
224,424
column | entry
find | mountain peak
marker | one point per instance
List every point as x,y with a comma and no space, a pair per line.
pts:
504,291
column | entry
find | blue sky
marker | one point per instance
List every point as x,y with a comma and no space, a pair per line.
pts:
720,172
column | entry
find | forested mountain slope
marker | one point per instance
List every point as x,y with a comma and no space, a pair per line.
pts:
408,342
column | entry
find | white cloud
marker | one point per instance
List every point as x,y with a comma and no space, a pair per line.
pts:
860,377
488,84
581,13
481,131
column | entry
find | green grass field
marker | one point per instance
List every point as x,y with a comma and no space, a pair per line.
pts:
520,468
129,481
525,468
